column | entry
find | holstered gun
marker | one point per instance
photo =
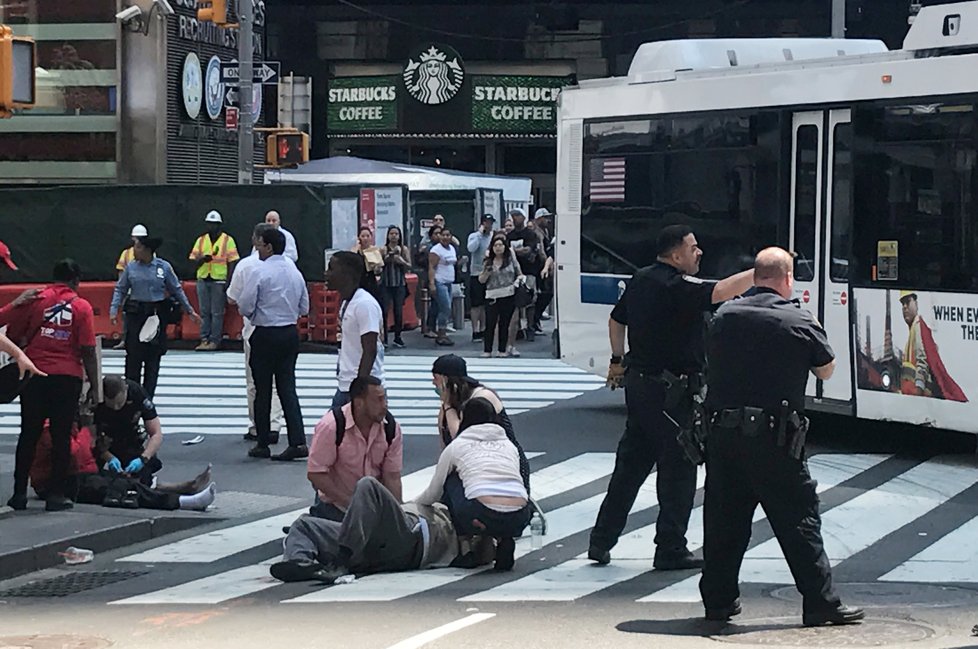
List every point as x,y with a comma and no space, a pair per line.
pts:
692,433
799,425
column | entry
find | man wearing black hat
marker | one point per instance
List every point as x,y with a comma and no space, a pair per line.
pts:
478,246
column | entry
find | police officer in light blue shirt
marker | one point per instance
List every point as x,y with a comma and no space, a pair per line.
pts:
148,280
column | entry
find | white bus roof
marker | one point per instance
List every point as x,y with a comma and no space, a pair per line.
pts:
714,74
663,60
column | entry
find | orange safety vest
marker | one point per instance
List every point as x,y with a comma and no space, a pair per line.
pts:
222,252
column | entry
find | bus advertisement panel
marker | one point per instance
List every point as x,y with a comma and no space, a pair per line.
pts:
915,354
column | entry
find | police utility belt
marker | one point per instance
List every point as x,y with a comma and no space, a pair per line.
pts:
789,426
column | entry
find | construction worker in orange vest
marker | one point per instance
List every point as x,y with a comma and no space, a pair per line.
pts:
215,254
125,257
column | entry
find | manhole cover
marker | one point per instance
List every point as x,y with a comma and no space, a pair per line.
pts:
787,632
893,595
71,583
52,642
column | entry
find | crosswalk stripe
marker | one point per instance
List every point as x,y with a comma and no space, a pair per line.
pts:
854,525
200,394
828,470
246,580
569,474
222,543
219,544
632,555
953,558
211,590
561,523
848,528
578,574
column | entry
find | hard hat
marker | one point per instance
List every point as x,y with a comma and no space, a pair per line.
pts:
906,294
543,211
139,230
213,217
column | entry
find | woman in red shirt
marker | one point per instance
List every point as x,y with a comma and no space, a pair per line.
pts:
57,331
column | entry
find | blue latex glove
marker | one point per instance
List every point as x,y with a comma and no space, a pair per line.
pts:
135,466
114,465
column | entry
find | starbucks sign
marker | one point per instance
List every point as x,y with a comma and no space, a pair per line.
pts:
434,94
358,104
515,104
434,75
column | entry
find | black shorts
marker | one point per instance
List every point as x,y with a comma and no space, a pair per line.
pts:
477,292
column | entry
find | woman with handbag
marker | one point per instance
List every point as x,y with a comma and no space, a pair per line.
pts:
148,280
501,275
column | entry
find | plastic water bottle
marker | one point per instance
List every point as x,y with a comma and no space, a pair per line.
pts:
74,556
536,531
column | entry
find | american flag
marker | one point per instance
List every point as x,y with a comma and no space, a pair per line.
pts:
607,180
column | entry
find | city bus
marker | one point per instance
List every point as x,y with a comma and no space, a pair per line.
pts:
860,160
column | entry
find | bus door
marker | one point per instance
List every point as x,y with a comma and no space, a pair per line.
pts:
837,246
806,209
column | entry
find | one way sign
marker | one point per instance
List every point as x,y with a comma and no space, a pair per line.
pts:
264,72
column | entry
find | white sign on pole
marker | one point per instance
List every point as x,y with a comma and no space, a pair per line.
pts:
346,221
388,210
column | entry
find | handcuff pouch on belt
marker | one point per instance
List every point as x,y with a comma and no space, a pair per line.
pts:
789,426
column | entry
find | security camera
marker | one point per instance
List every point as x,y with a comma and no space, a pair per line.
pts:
165,8
129,14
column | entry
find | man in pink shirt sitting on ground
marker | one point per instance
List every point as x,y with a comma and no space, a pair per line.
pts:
369,445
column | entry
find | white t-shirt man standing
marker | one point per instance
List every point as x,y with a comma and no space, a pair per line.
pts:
361,319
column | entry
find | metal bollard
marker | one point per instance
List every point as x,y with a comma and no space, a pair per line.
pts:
425,305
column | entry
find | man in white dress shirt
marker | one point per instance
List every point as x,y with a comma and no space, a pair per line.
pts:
275,220
274,300
242,275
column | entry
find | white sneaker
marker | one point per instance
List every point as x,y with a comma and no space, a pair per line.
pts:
450,329
512,351
485,355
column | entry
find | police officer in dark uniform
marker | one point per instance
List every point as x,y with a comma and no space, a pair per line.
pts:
760,350
662,312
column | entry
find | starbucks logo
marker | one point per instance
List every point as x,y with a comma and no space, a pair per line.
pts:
434,76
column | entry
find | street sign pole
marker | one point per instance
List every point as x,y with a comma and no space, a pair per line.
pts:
246,142
838,18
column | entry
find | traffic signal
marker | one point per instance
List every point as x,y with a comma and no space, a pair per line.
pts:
213,11
286,149
17,60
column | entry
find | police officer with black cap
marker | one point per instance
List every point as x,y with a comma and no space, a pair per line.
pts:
662,312
760,350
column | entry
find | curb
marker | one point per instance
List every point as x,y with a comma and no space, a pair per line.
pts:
45,555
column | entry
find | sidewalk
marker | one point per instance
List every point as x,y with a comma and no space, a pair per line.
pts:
31,540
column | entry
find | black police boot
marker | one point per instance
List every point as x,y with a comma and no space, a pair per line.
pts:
724,613
839,615
684,561
599,556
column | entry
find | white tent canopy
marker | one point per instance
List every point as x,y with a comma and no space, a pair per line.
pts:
345,170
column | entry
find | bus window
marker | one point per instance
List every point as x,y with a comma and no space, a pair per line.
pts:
916,181
806,197
719,174
841,243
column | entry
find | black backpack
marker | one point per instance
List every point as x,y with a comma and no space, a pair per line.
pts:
390,426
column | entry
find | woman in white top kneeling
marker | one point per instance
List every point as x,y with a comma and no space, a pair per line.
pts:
478,478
